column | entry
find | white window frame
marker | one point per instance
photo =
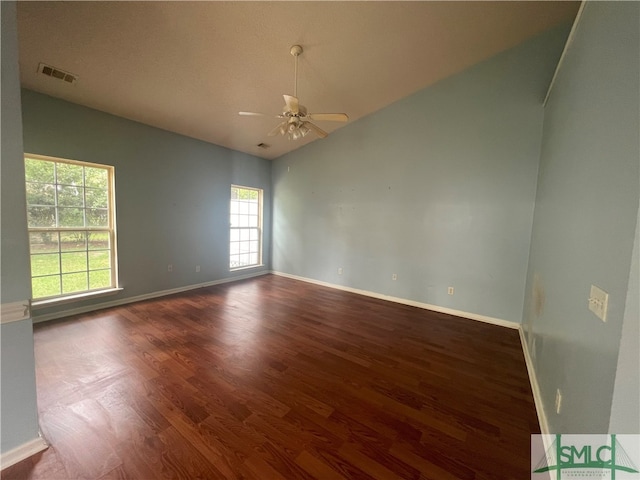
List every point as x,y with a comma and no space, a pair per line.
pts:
110,229
240,230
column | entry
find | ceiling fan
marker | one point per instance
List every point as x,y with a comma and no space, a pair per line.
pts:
296,120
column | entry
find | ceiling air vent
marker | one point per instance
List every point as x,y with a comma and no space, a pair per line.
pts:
263,145
54,72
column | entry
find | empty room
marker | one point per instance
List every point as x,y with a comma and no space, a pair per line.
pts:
330,240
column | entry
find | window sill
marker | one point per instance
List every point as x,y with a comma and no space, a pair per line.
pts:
248,267
50,302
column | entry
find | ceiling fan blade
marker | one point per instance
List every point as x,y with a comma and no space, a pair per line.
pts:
329,117
280,129
292,104
321,133
251,114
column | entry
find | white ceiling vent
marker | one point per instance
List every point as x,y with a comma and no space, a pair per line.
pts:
54,72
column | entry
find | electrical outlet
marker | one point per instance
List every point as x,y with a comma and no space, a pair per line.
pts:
599,302
169,268
558,401
450,290
394,276
197,268
339,270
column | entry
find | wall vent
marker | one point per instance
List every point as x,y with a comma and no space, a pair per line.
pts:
54,72
263,145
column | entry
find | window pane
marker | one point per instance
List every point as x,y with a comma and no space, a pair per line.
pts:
70,217
99,259
244,235
68,174
96,178
70,196
46,264
97,217
96,198
41,194
100,279
74,282
39,171
73,262
46,286
98,240
63,195
72,241
41,216
41,242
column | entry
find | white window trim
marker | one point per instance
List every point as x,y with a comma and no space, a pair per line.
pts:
85,294
259,227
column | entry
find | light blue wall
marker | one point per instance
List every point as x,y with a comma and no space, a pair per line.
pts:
172,192
18,409
438,188
625,407
586,215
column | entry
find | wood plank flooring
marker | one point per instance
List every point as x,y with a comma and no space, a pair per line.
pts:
272,378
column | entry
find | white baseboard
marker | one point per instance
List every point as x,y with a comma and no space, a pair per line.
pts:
535,388
22,452
404,301
139,298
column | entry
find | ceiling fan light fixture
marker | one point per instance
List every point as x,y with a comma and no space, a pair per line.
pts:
296,125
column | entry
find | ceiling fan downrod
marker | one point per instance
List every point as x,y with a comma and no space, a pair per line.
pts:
296,50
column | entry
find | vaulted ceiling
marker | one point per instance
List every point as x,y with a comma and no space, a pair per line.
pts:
190,67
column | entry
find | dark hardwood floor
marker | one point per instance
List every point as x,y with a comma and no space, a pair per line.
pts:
271,378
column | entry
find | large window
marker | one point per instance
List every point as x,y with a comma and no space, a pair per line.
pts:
71,226
245,246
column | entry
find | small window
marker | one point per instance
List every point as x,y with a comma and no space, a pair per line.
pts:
71,224
245,245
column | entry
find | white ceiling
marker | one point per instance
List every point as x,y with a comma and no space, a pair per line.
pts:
189,67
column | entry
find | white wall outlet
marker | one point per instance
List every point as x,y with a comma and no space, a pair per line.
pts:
394,276
169,268
450,290
599,302
339,270
197,268
558,401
